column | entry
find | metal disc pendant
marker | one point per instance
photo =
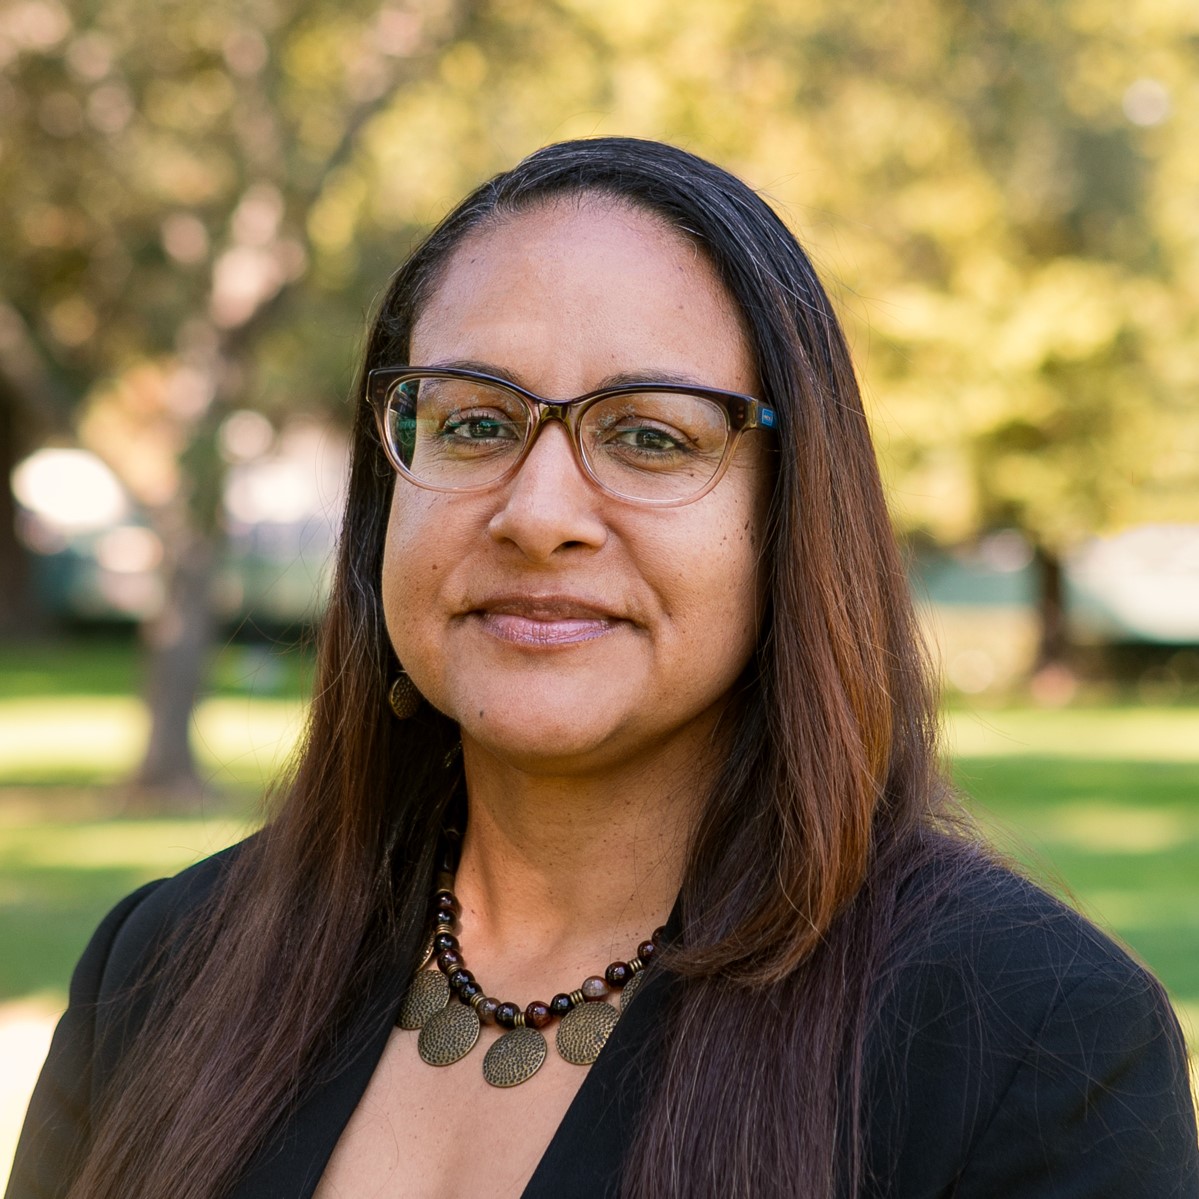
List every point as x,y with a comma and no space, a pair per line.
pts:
428,994
427,956
515,1057
631,988
449,1035
585,1030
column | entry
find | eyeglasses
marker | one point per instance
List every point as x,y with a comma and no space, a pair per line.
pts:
650,443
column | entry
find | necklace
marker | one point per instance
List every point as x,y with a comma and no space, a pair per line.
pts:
449,1007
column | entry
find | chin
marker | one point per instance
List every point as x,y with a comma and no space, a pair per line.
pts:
538,746
543,707
536,734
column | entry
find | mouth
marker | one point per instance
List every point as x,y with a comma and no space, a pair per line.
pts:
544,621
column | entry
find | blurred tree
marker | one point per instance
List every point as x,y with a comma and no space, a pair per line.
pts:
24,377
1005,197
1030,349
163,164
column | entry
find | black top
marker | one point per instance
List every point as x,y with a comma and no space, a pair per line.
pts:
1022,1054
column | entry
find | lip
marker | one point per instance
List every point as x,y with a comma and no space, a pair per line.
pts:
545,621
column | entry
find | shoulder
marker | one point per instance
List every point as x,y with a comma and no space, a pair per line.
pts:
106,1005
146,922
1017,1038
119,975
993,930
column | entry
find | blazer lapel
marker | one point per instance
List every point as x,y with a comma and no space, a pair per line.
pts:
588,1150
291,1163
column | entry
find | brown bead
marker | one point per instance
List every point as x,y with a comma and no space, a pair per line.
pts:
594,987
444,901
561,1004
537,1014
505,1015
449,959
487,1009
618,973
646,951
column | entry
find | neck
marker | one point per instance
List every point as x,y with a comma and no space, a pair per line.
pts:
554,863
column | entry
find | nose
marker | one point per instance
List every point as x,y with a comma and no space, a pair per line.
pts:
550,505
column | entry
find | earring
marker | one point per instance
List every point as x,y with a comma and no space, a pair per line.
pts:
403,697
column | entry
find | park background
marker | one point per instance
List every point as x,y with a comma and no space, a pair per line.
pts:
201,204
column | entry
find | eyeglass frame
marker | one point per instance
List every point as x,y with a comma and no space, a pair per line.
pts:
742,413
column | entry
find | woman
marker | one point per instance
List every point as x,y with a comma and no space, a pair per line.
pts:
616,548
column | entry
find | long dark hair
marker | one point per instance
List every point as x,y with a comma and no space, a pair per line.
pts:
829,801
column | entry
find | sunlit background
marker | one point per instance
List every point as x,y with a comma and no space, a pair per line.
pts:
202,202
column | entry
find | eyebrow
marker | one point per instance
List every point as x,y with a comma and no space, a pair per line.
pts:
618,379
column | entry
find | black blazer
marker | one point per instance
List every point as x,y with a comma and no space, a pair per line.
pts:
1023,1054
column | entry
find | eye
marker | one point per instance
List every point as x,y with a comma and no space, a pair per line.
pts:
479,424
643,437
647,432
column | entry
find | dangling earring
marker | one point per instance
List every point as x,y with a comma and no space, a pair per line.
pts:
403,697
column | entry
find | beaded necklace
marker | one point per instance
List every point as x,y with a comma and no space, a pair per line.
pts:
450,1030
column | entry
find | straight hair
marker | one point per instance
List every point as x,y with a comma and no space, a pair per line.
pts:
829,801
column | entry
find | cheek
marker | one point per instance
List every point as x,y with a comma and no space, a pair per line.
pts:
394,584
723,588
428,547
744,595
741,543
747,575
755,521
408,568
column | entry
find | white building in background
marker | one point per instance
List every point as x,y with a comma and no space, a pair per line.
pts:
1139,585
98,557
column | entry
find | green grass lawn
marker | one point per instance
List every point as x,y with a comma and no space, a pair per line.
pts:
59,878
1101,804
1120,838
70,731
111,666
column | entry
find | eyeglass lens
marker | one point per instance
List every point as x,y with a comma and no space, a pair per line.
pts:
465,434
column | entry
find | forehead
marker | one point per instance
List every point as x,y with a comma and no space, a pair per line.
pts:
579,288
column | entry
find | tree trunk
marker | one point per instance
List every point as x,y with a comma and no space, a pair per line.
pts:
178,641
177,644
1053,638
1053,683
20,617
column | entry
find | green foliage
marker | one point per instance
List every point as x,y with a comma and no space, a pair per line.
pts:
1008,198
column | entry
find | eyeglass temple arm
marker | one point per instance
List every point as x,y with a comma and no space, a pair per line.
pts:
756,415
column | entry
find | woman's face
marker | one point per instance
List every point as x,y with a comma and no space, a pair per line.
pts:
563,629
